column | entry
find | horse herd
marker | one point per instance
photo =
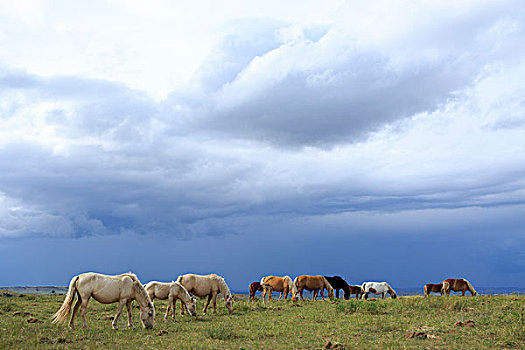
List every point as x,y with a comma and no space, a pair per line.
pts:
126,287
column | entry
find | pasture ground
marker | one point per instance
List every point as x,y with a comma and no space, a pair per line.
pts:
403,323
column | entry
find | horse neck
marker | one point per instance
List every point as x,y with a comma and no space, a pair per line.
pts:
141,296
328,286
223,287
183,293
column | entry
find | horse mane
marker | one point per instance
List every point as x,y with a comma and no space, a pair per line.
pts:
139,287
470,287
290,283
328,285
181,287
225,290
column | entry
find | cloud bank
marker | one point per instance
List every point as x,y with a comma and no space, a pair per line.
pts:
382,111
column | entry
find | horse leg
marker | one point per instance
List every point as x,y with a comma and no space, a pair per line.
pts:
121,304
337,293
83,309
462,293
322,293
128,307
280,295
77,305
214,302
170,302
182,307
207,303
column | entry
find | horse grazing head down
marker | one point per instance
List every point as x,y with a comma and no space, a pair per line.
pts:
228,301
191,306
147,316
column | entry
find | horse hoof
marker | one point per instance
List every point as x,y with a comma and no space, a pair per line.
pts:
115,328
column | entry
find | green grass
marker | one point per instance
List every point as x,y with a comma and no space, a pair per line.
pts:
354,324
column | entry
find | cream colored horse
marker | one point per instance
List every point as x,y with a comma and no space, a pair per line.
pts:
106,290
283,285
208,285
171,291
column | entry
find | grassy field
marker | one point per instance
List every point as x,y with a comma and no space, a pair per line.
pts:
403,323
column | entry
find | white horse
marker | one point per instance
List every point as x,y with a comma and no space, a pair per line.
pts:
171,291
377,288
106,290
208,285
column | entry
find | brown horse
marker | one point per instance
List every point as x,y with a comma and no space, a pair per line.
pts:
283,285
255,287
355,290
457,285
313,283
431,287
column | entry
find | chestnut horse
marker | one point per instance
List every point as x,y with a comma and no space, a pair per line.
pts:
355,290
255,287
457,285
313,283
283,285
431,287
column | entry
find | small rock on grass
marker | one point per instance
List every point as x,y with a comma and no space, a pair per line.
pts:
330,345
63,340
421,335
159,333
468,323
22,313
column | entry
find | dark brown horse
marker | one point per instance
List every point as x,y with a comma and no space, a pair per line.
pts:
357,290
431,287
458,285
337,282
255,287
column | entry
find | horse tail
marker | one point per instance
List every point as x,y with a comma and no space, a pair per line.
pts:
446,286
363,287
425,289
179,279
470,287
291,285
63,312
262,280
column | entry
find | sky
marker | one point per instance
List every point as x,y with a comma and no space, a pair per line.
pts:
373,140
